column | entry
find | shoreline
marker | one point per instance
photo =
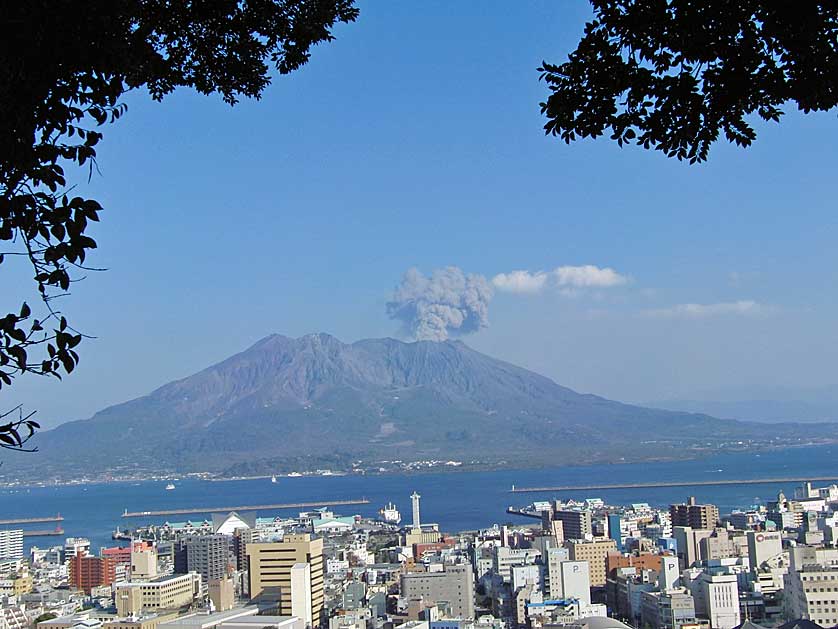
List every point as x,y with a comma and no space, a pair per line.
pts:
689,455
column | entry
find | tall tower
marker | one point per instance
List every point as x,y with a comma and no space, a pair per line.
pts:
414,499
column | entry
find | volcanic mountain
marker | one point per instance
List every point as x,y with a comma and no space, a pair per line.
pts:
317,402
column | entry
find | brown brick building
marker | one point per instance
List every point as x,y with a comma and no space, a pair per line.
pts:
643,561
694,515
90,572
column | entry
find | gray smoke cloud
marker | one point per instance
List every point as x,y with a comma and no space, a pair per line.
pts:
448,303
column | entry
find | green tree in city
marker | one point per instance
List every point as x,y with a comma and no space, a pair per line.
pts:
44,617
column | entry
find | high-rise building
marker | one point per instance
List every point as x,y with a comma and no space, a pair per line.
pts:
575,524
87,573
122,554
595,552
302,605
555,557
615,531
570,579
716,598
453,588
11,545
721,544
209,555
811,585
143,563
688,543
179,557
669,574
270,572
222,594
504,558
694,515
241,538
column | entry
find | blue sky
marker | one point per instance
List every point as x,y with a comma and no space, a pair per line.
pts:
414,140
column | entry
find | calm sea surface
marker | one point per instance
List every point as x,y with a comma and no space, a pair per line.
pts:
455,500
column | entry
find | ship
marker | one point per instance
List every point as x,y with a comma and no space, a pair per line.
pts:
390,514
170,486
273,479
121,535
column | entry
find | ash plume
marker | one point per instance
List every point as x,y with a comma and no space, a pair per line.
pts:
448,303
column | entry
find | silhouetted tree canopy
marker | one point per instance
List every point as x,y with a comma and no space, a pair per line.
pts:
64,65
675,74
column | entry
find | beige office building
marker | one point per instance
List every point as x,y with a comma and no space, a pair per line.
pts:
270,571
222,594
595,552
142,622
134,598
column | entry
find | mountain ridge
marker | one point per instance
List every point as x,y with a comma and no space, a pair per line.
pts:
304,402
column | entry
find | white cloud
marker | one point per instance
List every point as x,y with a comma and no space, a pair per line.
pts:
520,281
745,307
566,278
588,276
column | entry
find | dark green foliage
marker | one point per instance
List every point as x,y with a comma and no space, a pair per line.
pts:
675,74
15,432
45,616
64,66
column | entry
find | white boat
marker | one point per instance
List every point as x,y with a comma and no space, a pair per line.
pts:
170,486
390,514
273,479
294,475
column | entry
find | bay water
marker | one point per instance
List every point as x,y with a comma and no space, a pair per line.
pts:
453,499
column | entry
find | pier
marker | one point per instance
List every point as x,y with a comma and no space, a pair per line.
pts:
49,518
524,513
44,532
274,507
699,483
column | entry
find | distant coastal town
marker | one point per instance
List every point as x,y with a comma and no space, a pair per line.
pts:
581,564
30,478
382,467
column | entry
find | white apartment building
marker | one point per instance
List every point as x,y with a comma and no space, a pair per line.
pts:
504,558
527,575
11,550
812,593
555,557
811,590
11,544
13,617
76,546
716,598
571,580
